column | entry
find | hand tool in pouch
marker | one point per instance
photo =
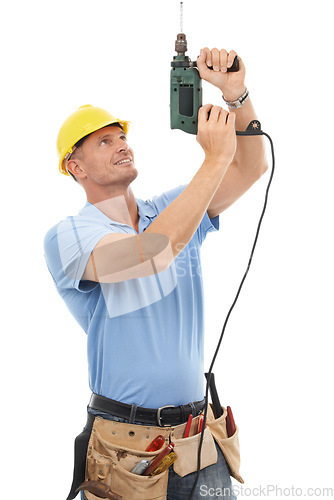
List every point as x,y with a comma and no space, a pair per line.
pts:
187,429
141,466
159,459
200,424
165,463
230,424
98,489
156,444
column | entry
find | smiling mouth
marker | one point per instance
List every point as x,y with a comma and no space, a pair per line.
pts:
124,162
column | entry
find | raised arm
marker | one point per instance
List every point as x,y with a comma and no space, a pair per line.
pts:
119,257
249,162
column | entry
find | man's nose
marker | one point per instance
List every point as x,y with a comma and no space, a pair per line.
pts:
122,146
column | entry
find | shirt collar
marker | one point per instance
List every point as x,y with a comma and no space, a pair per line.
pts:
145,208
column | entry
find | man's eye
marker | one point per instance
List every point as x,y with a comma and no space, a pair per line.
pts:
123,137
104,141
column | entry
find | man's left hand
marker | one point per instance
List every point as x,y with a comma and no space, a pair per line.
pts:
232,84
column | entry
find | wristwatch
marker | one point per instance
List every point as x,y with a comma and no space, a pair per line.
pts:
238,102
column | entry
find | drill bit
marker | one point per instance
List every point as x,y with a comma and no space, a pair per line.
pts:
181,39
181,17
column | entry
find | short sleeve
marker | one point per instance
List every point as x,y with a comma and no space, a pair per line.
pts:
68,246
207,225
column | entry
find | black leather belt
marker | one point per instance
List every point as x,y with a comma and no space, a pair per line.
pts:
165,415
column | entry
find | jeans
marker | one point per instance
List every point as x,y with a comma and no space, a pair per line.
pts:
214,481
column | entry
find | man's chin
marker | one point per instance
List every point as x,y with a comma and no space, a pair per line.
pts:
127,179
133,175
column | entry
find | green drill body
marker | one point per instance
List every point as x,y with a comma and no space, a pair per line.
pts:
185,94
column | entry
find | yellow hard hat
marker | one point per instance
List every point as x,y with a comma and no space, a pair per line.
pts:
83,121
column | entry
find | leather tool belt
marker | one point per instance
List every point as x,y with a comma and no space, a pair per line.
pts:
106,450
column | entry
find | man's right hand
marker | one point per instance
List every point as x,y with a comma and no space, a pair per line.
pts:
216,133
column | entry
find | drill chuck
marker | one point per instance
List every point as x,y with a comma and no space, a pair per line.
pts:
181,44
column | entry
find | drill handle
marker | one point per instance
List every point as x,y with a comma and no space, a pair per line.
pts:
233,68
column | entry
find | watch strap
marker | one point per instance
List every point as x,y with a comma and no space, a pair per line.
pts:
238,102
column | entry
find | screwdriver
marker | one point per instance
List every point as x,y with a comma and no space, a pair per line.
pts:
156,444
159,458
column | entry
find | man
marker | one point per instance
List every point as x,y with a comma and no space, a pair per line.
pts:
129,270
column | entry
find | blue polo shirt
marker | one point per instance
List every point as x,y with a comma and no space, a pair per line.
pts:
145,336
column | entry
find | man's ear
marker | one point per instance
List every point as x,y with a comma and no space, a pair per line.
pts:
74,166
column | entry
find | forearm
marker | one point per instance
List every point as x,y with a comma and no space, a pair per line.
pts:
250,155
248,164
182,217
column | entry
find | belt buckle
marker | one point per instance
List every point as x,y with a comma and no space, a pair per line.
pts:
159,414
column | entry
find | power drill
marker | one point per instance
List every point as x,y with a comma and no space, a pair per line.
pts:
186,87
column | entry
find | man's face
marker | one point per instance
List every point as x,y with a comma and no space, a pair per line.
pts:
107,158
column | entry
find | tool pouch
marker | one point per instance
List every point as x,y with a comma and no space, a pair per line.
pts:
80,452
228,445
114,449
186,449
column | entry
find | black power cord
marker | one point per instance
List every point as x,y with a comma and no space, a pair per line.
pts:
254,128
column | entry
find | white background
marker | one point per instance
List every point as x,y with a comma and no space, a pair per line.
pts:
275,365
